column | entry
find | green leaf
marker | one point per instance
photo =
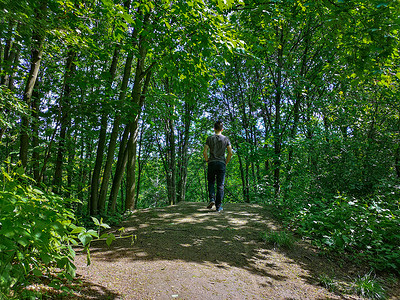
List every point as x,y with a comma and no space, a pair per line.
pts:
78,230
108,3
85,238
110,239
73,242
93,233
128,18
37,272
20,171
46,258
104,225
23,241
96,221
103,236
38,191
70,269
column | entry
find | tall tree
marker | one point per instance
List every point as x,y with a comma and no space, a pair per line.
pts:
37,43
65,118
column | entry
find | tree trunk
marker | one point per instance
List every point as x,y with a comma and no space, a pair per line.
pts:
7,58
397,161
278,125
243,179
94,188
119,171
293,132
114,135
35,135
171,161
266,116
14,67
138,96
140,166
65,118
36,58
131,170
10,58
183,155
71,164
141,82
299,98
57,181
397,153
82,169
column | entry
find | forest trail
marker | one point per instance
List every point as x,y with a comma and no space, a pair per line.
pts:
187,251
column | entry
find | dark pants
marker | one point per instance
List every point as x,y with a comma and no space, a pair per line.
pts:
216,172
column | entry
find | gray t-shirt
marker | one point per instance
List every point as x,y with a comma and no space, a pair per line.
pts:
217,144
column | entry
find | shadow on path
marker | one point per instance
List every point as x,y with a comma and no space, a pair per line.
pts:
192,251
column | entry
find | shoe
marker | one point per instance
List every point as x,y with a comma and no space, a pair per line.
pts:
219,209
211,204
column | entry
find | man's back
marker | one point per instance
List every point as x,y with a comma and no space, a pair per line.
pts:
217,144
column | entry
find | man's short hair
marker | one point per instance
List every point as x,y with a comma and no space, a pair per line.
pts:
218,126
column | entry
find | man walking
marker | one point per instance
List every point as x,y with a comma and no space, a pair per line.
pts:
217,144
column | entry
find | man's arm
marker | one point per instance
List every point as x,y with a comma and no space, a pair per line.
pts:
205,153
230,153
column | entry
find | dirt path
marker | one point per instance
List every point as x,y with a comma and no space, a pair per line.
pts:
189,252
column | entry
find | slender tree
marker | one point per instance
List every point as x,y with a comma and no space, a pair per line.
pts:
38,37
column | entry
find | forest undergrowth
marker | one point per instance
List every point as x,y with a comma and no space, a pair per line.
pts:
364,229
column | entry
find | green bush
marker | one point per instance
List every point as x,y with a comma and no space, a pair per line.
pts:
35,235
366,228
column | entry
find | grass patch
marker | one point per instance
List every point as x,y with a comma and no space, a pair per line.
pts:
328,282
369,287
281,239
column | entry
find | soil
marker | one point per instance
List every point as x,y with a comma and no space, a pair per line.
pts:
187,251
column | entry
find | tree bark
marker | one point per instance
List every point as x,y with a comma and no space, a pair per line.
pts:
35,135
138,97
183,154
277,124
119,171
38,38
397,153
397,161
141,82
10,58
171,160
144,151
96,204
94,187
8,54
65,117
71,163
114,136
243,179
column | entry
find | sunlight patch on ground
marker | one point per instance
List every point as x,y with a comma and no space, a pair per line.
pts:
238,222
194,218
210,228
168,215
141,254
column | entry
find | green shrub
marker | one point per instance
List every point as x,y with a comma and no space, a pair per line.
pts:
37,234
366,228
